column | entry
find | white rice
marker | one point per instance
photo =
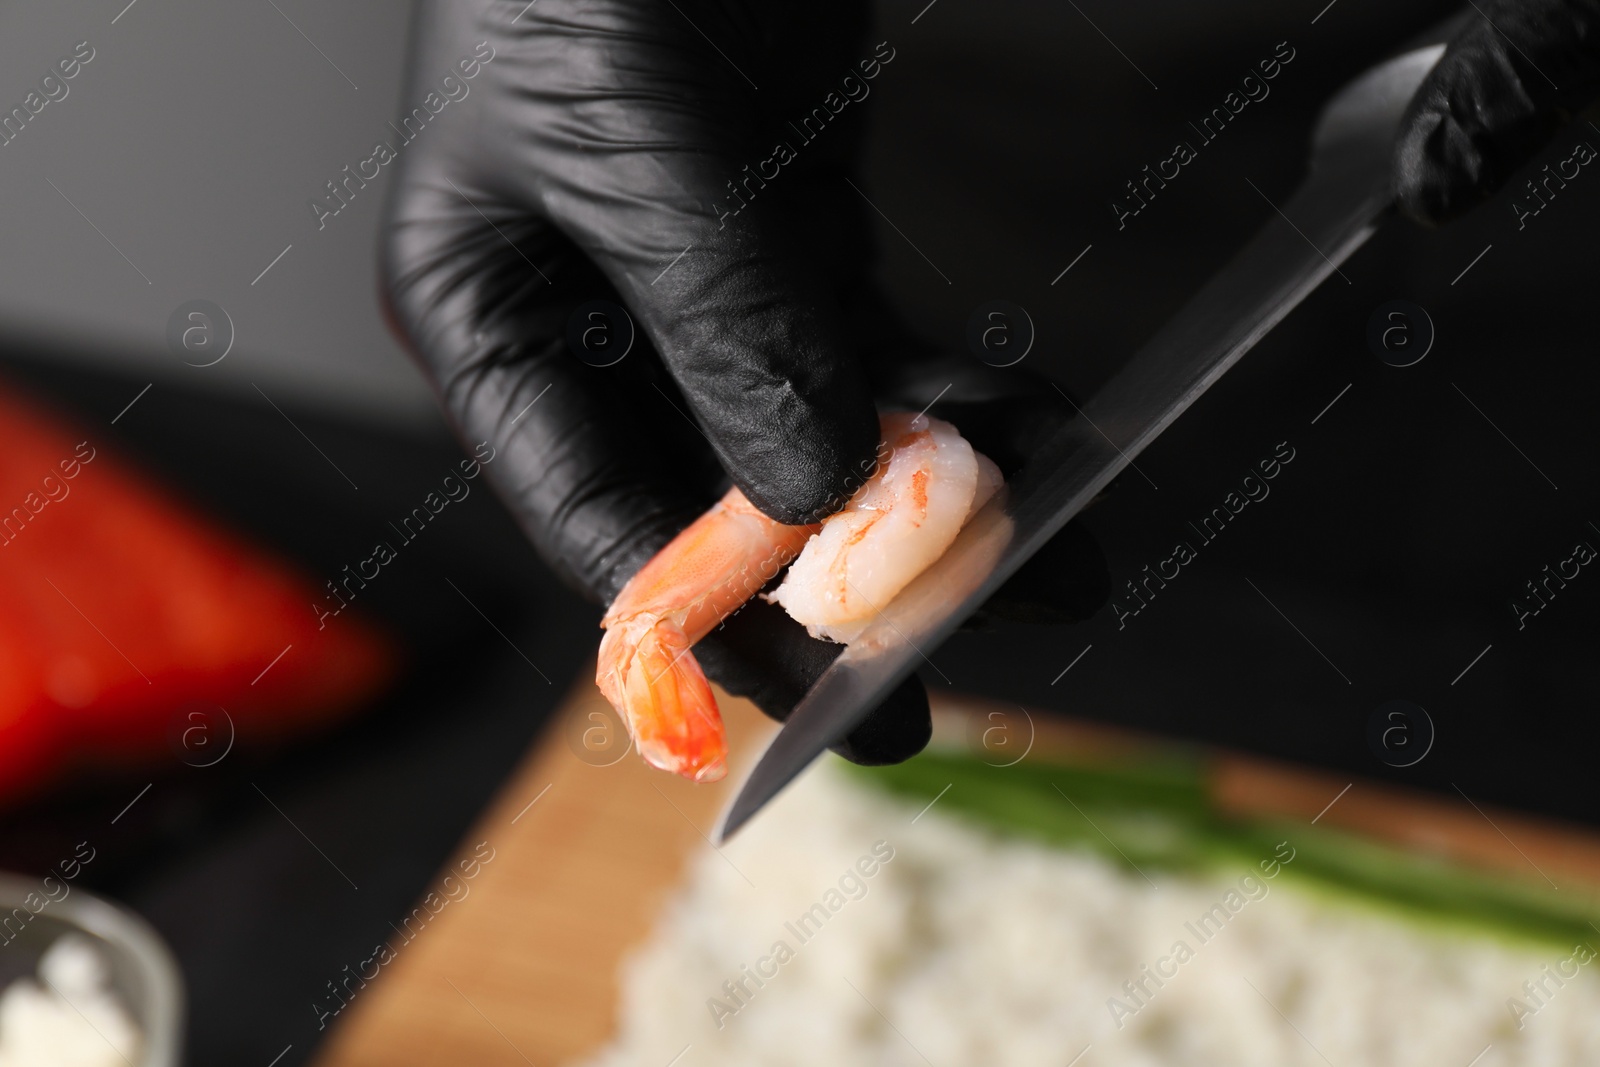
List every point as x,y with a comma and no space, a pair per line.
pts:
71,1017
971,949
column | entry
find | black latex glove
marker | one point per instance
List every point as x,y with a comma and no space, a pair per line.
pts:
1509,79
591,159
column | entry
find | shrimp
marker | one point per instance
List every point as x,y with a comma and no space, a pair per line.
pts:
844,568
646,668
892,529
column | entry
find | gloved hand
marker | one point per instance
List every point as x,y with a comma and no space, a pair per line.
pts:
620,150
1509,79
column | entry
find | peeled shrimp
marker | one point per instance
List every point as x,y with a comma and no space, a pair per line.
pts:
646,670
893,528
848,567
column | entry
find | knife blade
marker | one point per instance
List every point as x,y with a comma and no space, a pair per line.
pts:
1338,206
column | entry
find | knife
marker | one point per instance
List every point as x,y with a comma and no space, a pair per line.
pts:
1344,197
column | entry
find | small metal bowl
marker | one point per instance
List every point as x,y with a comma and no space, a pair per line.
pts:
144,975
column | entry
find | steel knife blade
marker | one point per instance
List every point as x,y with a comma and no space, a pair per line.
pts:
1341,202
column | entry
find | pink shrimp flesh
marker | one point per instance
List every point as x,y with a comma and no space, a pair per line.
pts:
892,530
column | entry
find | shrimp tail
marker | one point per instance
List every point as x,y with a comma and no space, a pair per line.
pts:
646,669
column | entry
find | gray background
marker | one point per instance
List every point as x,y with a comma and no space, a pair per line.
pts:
193,141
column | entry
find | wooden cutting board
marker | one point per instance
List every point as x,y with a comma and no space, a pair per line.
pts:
587,841
517,965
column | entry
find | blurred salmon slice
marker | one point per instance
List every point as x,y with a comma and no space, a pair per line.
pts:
122,608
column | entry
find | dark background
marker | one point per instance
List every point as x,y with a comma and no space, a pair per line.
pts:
1393,542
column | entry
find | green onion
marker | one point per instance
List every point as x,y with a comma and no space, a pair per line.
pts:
1157,814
